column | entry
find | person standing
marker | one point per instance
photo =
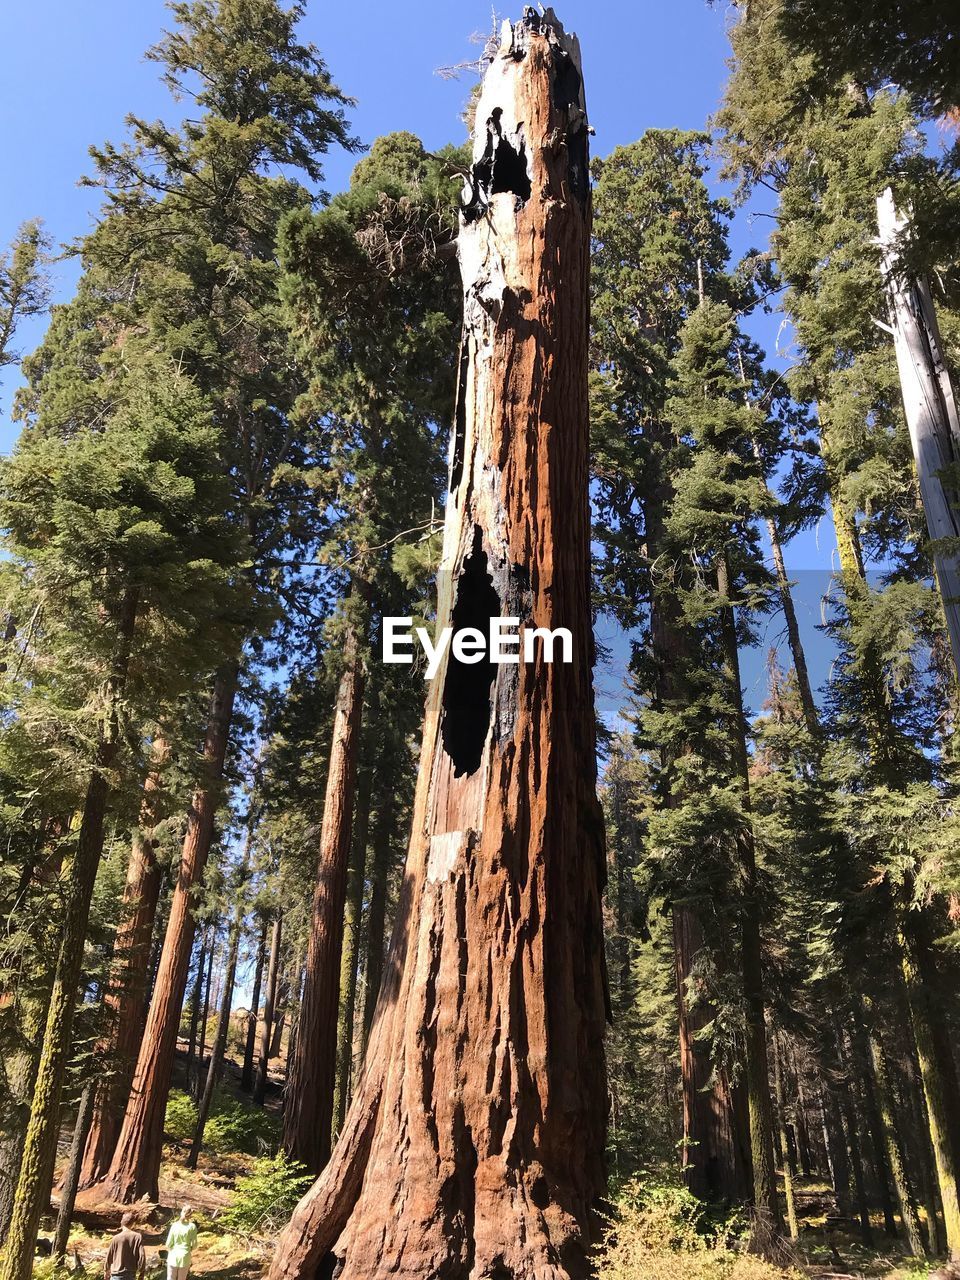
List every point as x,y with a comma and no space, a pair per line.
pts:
181,1239
126,1259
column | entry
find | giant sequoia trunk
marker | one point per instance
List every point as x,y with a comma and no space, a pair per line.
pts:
125,998
474,1144
311,1074
135,1167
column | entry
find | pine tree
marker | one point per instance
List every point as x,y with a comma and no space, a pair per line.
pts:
113,526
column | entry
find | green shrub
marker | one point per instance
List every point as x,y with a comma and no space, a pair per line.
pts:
238,1127
265,1198
661,1231
181,1118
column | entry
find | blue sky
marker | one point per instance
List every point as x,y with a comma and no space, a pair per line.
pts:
74,68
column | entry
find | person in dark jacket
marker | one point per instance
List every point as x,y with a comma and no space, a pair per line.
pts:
126,1259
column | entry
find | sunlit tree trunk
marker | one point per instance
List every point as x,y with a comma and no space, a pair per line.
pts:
311,1071
931,412
125,998
475,1140
135,1167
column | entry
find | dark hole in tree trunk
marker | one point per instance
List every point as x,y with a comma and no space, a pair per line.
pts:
466,690
502,167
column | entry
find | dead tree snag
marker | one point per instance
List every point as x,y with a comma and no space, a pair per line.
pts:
474,1144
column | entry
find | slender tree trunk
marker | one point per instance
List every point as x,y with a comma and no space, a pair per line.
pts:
933,1052
849,1112
124,1001
861,1055
792,1225
893,1140
311,1072
936,1237
136,1163
835,1142
71,1181
273,977
250,1044
931,412
351,950
204,1018
766,1201
39,1149
379,872
716,1155
482,1110
220,1041
196,1000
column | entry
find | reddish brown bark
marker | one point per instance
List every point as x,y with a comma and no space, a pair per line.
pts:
135,1166
311,1073
124,1001
474,1143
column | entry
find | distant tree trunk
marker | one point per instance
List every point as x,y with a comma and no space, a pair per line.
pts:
273,977
871,1106
851,1124
351,950
312,1069
194,1081
196,1000
39,1149
380,850
250,1044
792,1225
220,1041
766,1201
71,1181
893,1139
136,1162
124,1001
923,1151
716,1156
931,412
937,1069
836,1142
482,1109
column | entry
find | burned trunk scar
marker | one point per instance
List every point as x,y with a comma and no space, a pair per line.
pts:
502,167
466,690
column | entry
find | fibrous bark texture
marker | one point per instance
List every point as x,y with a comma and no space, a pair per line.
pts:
474,1143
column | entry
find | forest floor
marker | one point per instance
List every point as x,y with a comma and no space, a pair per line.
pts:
829,1247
